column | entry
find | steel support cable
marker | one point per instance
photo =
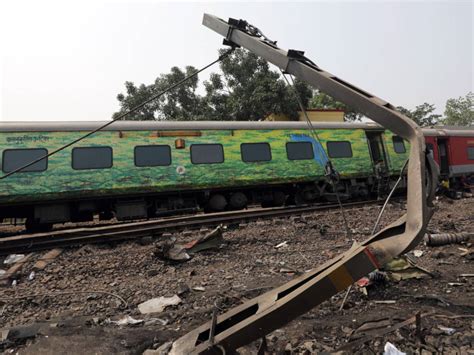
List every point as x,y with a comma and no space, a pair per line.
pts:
329,168
389,197
133,109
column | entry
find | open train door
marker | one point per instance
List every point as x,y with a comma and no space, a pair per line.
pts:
377,149
443,156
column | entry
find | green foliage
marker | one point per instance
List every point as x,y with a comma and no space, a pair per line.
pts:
322,101
249,90
422,114
182,103
245,90
460,111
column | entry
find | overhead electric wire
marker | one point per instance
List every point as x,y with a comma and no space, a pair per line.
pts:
315,135
389,197
133,109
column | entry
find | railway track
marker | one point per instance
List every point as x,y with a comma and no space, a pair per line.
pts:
124,231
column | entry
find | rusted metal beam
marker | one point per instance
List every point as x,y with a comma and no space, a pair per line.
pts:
272,310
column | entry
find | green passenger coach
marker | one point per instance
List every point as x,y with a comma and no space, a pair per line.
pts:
142,169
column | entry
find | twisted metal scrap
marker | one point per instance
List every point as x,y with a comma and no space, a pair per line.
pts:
272,310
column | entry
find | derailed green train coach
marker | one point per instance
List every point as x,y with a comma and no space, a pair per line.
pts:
142,169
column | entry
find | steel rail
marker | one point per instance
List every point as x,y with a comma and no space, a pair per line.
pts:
124,231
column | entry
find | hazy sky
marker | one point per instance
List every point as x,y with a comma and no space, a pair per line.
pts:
68,60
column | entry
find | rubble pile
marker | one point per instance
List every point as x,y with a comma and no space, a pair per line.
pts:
134,296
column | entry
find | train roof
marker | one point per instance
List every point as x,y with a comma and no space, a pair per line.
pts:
453,131
173,125
59,126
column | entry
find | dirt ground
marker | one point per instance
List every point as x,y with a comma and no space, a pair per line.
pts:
70,306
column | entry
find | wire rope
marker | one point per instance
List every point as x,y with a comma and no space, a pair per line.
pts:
331,173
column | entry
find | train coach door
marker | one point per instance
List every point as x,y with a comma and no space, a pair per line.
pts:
377,149
443,156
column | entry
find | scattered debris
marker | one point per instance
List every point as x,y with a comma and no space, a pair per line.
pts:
447,330
285,270
248,268
402,268
363,282
390,349
169,251
127,320
374,278
417,253
377,276
467,253
212,240
446,238
13,258
281,245
345,297
385,302
157,305
199,288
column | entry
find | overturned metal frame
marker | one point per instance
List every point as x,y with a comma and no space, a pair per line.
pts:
272,310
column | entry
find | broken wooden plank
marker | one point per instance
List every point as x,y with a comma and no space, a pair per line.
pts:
46,259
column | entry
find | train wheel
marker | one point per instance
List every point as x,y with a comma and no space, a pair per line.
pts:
217,203
238,201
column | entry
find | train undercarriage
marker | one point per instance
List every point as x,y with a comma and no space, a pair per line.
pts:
42,217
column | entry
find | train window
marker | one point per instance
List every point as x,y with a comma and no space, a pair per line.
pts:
152,155
254,152
398,145
339,149
91,158
16,158
470,153
299,150
207,153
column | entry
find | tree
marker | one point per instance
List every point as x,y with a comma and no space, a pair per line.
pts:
246,89
249,90
322,101
422,114
460,111
181,103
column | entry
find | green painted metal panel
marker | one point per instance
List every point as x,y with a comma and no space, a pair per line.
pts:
62,181
396,160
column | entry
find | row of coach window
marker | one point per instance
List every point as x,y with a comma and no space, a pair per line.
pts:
85,158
